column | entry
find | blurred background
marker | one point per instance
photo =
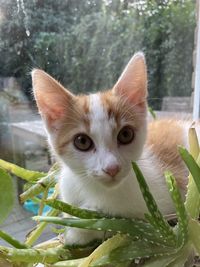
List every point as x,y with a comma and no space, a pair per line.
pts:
85,44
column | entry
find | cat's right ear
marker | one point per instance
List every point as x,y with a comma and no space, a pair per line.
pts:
51,97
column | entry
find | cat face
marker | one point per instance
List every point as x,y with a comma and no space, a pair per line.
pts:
97,135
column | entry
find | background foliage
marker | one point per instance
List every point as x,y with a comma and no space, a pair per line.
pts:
86,44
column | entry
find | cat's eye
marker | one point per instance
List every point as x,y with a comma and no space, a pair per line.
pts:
83,142
125,136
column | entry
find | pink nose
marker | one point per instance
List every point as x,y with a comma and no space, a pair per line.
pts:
112,170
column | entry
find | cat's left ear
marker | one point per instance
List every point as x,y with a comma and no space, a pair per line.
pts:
53,100
132,83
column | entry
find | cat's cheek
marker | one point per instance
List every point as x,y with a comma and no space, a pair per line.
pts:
129,153
139,143
74,159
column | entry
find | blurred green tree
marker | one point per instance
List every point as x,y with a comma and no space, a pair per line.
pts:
86,44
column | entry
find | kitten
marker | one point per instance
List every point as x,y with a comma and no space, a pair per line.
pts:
95,137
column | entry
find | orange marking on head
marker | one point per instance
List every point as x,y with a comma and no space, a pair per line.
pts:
76,115
83,103
121,109
109,102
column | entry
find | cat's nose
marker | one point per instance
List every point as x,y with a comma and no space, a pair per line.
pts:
112,170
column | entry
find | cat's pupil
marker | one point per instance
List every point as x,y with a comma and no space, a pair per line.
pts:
125,136
83,142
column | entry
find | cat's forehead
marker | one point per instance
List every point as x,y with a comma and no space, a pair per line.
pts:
100,114
102,107
98,107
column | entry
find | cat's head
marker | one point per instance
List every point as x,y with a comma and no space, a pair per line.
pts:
96,135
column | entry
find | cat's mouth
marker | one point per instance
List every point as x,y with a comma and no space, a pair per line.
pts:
109,181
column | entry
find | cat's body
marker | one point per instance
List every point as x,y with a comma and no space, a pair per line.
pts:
95,137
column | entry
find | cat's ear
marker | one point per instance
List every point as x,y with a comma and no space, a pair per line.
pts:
132,83
51,97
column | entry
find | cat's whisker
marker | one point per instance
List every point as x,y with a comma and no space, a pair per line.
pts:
124,108
74,123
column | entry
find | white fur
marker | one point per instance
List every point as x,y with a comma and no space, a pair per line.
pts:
124,200
84,184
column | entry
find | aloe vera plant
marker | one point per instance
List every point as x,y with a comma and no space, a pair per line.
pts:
6,194
150,243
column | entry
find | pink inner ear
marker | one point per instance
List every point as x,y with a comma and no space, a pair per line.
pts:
51,97
51,113
137,99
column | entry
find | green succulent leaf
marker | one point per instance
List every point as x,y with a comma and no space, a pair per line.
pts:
123,264
24,174
9,239
159,261
152,112
155,217
192,202
135,228
134,250
72,210
43,184
69,263
104,249
194,233
34,255
193,142
191,165
6,195
5,263
33,236
180,208
181,257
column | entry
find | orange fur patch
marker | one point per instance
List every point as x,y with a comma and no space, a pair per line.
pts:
109,102
163,138
120,108
82,104
76,114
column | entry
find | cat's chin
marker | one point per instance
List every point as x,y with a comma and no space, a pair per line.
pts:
110,182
